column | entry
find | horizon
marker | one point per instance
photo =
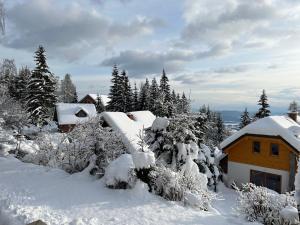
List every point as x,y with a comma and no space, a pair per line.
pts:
224,59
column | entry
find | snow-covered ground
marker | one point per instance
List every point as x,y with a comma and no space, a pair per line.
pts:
29,192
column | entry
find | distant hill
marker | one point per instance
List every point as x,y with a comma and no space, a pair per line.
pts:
230,116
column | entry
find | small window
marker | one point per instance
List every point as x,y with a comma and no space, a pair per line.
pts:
274,149
256,146
81,113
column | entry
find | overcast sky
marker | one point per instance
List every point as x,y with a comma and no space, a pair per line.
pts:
222,52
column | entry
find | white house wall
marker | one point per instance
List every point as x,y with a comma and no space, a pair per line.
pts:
240,173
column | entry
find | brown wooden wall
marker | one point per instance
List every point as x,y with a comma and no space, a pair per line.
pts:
242,152
88,99
65,128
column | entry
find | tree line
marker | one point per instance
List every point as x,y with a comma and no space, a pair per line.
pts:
154,96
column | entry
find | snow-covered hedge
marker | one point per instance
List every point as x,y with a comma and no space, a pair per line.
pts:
263,205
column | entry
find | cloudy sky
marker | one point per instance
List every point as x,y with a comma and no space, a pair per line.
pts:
222,52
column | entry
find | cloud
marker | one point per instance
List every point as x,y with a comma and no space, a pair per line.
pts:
237,23
69,29
139,63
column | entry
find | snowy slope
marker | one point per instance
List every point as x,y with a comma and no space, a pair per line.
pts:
29,192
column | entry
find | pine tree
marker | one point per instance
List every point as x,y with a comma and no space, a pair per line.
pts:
21,82
220,128
99,104
144,99
263,103
115,94
75,99
126,93
41,96
185,105
154,92
293,106
68,89
164,87
245,119
135,98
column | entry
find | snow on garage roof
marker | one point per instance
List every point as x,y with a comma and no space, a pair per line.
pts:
104,98
128,128
66,112
282,126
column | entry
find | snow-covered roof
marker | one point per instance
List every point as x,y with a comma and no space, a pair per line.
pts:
104,98
282,126
128,128
66,112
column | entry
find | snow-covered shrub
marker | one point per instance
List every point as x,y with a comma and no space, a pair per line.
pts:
166,183
289,216
261,204
72,151
120,174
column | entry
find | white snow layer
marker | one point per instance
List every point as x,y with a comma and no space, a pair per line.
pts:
66,112
282,126
160,123
29,192
143,159
128,128
290,214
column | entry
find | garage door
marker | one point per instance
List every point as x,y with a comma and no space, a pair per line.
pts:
271,181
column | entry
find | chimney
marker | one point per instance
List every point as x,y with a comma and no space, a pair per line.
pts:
293,115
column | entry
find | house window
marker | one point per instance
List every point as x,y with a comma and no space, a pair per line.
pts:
81,113
274,149
256,146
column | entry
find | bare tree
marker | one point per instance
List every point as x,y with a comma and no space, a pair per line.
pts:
2,17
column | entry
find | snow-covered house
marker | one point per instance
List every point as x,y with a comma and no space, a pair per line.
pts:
92,99
264,153
129,125
68,115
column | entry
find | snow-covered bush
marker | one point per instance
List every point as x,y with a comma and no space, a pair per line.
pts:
120,174
261,204
72,151
289,216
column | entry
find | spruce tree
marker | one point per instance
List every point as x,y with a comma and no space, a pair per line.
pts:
115,95
165,87
293,106
135,104
41,88
126,94
263,103
21,82
75,99
68,89
220,128
99,104
245,119
185,105
154,92
144,99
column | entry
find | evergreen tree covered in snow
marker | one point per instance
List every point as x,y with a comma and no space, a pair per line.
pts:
126,92
164,87
115,94
263,103
68,89
21,82
293,106
154,93
99,104
245,119
135,100
144,98
41,87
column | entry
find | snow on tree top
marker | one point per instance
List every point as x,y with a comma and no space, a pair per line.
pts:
130,129
282,126
66,112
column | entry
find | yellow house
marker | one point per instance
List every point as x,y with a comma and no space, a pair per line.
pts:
264,153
